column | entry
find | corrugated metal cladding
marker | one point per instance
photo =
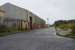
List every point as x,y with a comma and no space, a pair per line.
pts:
22,17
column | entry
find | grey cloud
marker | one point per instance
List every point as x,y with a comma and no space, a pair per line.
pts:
52,9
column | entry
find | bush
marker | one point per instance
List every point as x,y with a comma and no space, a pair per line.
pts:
73,29
3,28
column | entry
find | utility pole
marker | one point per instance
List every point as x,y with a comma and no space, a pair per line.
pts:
48,22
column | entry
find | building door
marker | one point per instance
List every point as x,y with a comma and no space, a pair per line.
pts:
30,22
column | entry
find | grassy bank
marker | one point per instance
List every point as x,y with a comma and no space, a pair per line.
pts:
66,26
10,30
5,33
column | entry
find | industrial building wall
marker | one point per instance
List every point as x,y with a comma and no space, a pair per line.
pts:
14,11
20,13
37,22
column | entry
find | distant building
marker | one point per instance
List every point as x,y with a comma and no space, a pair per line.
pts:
19,17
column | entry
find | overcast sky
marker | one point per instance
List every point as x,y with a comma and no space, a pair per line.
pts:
51,9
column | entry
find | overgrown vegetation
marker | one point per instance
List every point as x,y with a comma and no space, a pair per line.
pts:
66,24
4,30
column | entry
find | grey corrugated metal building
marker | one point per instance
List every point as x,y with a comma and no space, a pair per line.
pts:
21,17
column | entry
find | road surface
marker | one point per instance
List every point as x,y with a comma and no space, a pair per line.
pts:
43,39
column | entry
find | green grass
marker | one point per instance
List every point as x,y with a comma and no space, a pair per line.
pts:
10,31
4,34
68,26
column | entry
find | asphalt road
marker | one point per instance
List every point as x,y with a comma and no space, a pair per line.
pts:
43,39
